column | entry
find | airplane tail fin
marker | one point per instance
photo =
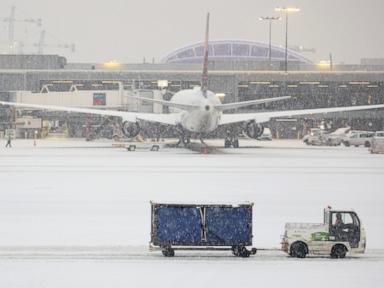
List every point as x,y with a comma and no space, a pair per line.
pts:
204,79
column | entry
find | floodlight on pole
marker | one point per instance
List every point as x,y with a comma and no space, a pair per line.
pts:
286,11
270,19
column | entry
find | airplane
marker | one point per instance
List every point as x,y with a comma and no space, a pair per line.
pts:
199,111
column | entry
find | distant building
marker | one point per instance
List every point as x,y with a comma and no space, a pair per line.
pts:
233,50
15,61
372,61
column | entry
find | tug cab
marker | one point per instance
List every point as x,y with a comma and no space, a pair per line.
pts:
344,226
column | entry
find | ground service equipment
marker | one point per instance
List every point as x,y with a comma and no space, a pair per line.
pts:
341,232
201,227
377,142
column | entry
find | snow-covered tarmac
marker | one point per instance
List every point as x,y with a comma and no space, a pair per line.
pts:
77,214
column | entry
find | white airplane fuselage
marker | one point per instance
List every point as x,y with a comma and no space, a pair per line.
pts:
202,119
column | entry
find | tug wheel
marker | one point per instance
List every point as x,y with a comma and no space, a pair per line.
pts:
298,250
338,251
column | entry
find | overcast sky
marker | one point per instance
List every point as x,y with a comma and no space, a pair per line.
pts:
130,30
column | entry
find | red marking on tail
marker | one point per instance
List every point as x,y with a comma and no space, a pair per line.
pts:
204,79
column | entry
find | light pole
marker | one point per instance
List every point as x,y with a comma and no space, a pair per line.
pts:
270,19
286,11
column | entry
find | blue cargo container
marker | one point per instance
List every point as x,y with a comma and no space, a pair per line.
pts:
198,227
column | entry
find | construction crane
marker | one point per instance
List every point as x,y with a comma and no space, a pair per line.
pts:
41,44
11,27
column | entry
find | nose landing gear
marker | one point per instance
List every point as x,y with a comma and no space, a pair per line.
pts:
231,142
231,139
184,137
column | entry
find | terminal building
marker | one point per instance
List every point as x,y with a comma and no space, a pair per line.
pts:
242,70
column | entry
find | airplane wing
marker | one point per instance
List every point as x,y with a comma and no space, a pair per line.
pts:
171,119
261,117
235,105
221,107
167,103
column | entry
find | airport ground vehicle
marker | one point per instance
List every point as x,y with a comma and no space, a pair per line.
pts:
336,137
313,137
340,233
267,134
358,138
201,227
377,143
319,137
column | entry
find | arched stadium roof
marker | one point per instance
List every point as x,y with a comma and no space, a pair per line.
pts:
222,50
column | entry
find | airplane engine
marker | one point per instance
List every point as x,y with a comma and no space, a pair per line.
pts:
253,130
130,129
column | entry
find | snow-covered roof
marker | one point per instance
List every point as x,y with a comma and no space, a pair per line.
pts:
232,49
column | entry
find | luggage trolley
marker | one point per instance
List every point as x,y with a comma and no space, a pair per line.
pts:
202,227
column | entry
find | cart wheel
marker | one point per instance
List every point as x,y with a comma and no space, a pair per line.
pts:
155,148
168,252
240,251
245,253
131,148
236,250
338,251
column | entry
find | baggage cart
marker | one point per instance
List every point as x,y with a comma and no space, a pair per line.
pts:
202,227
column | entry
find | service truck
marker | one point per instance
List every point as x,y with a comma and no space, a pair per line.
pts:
340,233
377,142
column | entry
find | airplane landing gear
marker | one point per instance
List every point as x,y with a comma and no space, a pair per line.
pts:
184,138
231,140
235,143
202,140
